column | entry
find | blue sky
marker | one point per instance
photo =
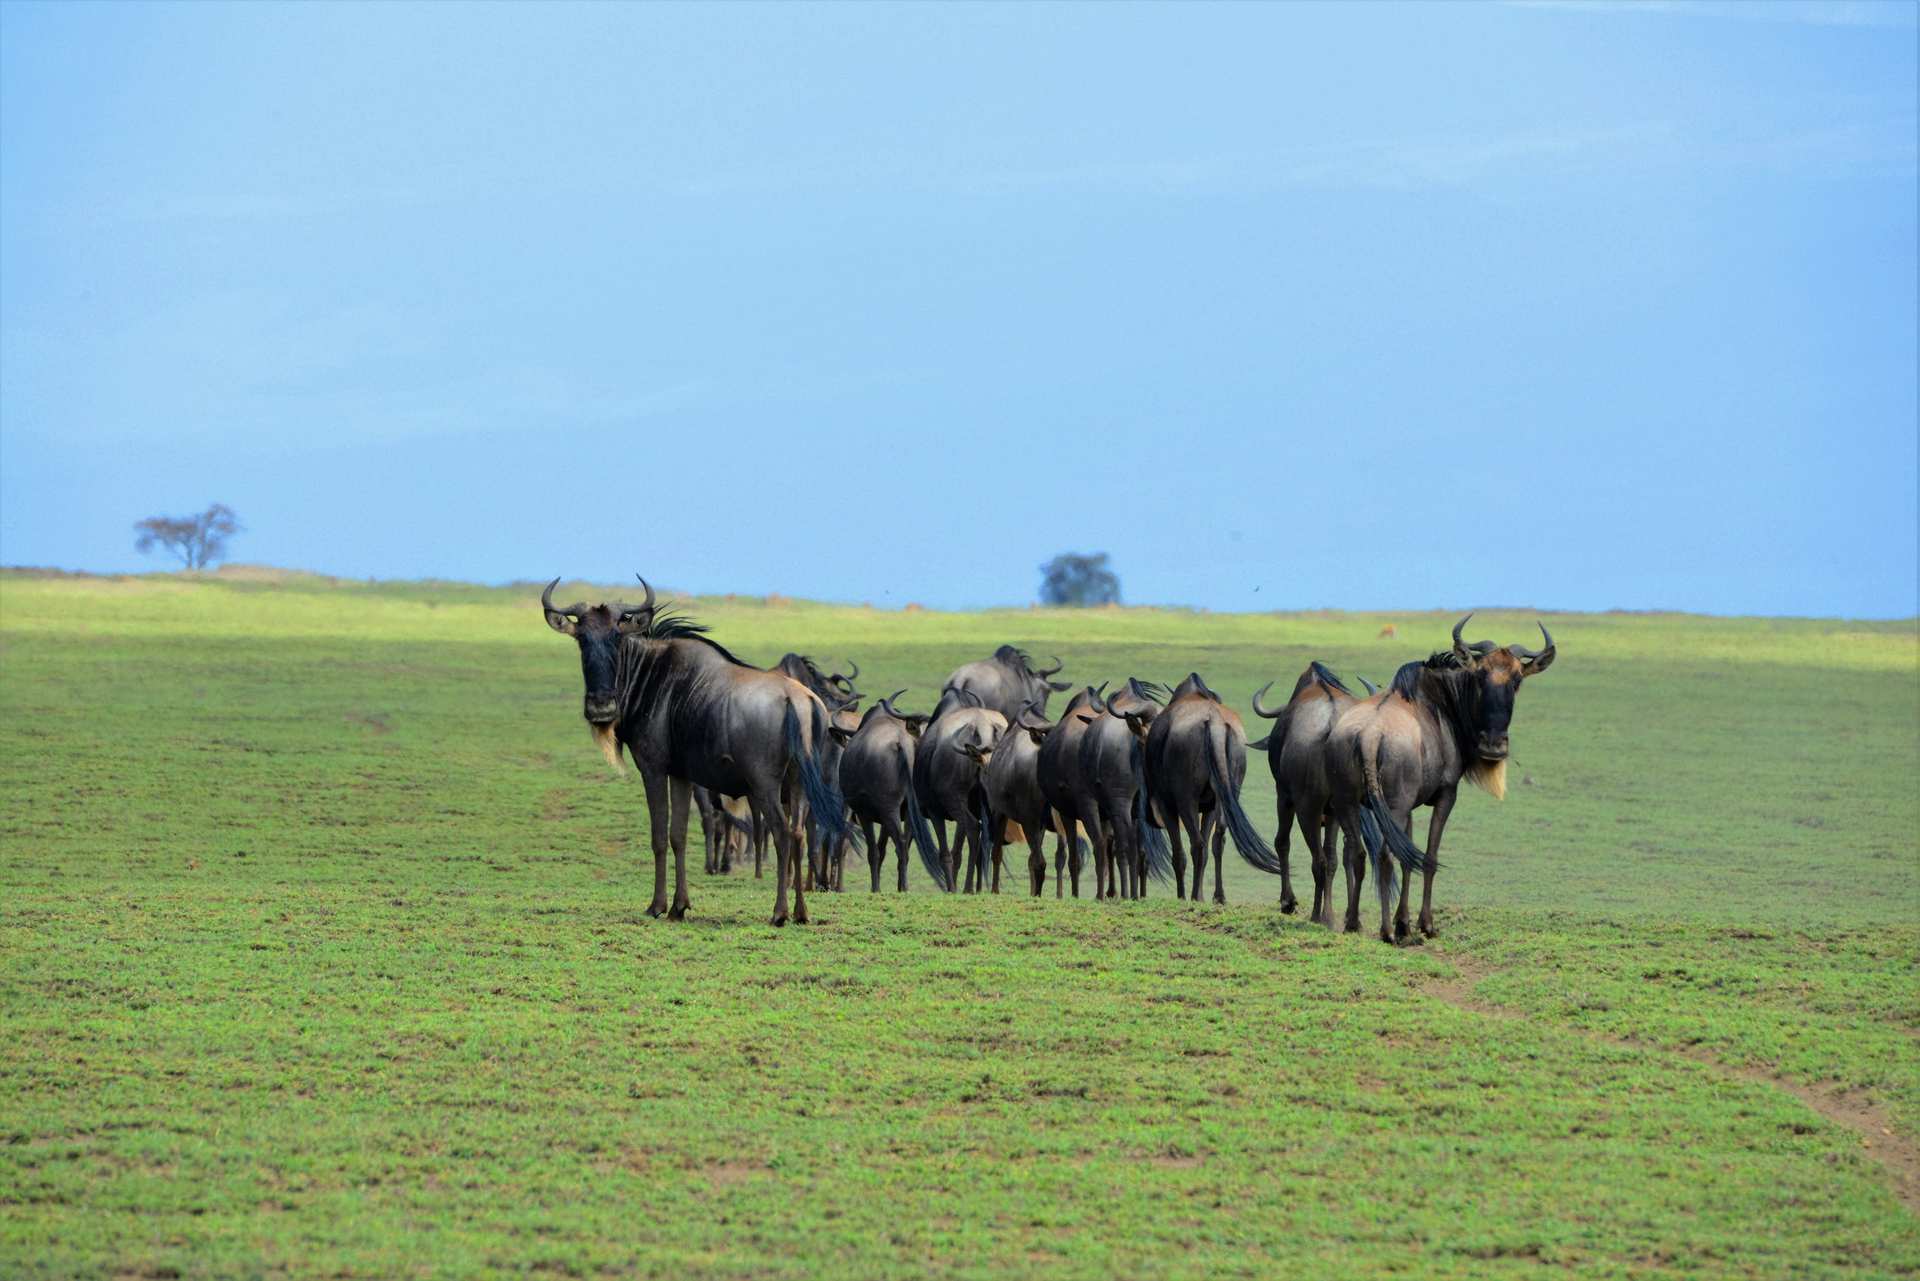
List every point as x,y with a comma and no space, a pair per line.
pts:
1570,305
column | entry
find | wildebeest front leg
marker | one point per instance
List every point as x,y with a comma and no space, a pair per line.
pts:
679,798
1442,807
1282,845
657,821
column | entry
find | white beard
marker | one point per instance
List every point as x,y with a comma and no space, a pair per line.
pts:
608,742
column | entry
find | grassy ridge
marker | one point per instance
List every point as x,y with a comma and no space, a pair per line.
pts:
320,951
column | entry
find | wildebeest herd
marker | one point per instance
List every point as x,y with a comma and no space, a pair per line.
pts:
1134,778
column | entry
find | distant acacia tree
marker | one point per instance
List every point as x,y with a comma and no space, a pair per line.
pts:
1074,579
196,540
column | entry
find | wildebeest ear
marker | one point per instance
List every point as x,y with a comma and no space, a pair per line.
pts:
1059,687
1083,716
1532,664
632,621
1037,733
977,752
841,736
562,624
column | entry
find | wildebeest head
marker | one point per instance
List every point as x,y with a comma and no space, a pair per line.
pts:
1038,687
1492,677
598,630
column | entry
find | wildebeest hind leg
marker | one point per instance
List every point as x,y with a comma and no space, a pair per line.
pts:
1356,869
1179,859
1219,857
1442,808
1063,833
1400,927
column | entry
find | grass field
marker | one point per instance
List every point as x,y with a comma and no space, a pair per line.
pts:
322,953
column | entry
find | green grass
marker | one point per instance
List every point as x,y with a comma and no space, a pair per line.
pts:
322,953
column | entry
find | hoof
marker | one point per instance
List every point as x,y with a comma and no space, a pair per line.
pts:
678,912
656,909
1400,929
1428,931
1288,904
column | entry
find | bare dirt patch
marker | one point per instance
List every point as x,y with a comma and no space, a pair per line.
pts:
1897,1154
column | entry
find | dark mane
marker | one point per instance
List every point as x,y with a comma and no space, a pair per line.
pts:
1008,654
670,624
1326,677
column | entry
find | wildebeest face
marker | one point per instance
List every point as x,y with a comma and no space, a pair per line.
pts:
598,630
1496,675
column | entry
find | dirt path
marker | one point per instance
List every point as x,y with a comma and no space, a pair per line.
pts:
1893,1152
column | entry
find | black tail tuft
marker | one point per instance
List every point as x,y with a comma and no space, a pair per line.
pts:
1383,836
1152,840
828,808
922,833
1226,799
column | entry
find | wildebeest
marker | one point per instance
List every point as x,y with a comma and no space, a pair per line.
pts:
1016,801
834,690
1196,759
948,767
1058,770
1440,721
1296,754
876,777
689,712
1114,803
1007,683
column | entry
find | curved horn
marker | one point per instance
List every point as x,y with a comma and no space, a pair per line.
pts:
1372,689
644,583
1258,710
969,697
853,675
893,711
1460,646
1049,671
1535,661
546,602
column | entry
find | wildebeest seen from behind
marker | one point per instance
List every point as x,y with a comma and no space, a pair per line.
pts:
1296,755
689,712
1016,801
1196,757
876,777
1058,770
1114,803
1007,683
835,690
1439,721
948,767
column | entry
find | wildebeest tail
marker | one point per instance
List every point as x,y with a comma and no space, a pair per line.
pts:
1152,840
1378,830
1226,798
917,824
828,807
1261,745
